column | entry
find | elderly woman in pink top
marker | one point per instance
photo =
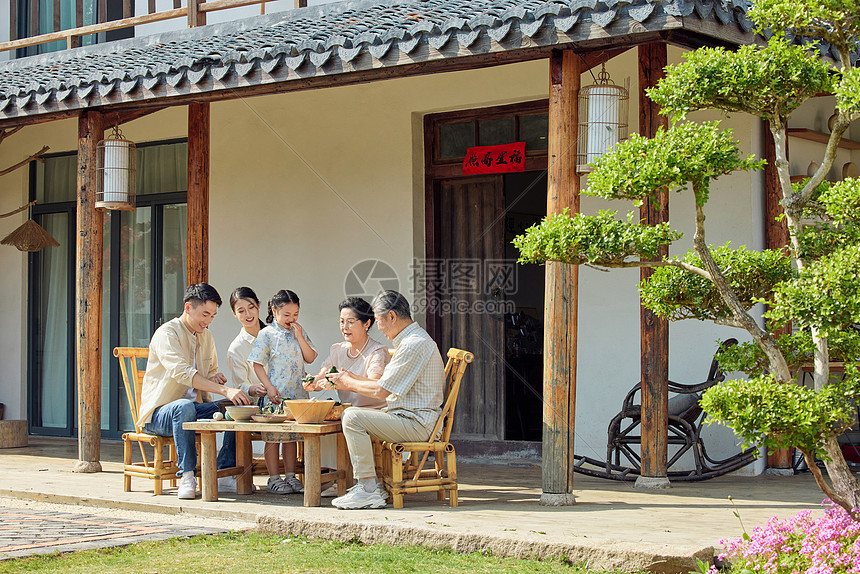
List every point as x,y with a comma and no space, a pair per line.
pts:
359,353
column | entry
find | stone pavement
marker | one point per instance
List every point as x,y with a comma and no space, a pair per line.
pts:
28,531
612,525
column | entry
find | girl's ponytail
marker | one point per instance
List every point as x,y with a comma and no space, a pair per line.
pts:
271,317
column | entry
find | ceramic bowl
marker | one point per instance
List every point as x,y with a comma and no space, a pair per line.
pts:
309,410
337,411
243,412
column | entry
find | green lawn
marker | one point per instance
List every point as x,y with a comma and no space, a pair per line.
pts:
252,553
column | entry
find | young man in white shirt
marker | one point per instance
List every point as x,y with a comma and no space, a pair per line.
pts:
181,370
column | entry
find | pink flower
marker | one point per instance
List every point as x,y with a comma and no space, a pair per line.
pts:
802,544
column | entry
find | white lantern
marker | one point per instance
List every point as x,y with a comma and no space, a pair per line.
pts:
116,172
602,119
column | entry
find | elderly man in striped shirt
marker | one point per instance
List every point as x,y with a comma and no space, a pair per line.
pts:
412,384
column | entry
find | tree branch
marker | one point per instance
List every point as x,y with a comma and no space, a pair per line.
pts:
665,263
825,488
19,210
765,340
22,163
10,132
726,322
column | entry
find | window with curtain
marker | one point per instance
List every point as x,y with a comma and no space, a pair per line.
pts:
35,17
144,279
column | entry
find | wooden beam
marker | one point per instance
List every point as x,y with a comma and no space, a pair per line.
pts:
91,29
561,289
34,18
198,192
654,331
125,117
13,19
598,57
57,16
196,17
88,279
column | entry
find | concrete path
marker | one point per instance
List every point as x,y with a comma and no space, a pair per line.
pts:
612,525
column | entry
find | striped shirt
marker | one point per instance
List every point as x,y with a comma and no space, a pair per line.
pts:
415,377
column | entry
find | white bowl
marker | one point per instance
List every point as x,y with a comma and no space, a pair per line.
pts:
242,412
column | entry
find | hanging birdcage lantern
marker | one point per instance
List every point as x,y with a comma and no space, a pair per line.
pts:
116,179
602,119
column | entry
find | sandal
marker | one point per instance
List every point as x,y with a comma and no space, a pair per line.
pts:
277,485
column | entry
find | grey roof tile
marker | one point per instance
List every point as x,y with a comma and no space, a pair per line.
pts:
320,40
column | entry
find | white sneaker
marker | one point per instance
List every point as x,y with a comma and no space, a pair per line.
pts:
187,487
227,484
380,490
295,484
329,492
358,498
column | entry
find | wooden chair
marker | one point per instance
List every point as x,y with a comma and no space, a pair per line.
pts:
158,468
407,476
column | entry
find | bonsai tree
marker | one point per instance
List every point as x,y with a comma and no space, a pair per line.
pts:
813,285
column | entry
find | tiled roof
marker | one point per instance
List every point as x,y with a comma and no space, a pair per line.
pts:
336,39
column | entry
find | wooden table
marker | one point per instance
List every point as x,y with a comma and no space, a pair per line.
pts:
272,432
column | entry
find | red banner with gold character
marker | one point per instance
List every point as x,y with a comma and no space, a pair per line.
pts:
495,159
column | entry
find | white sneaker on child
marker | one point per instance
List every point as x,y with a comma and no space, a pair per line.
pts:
278,485
295,483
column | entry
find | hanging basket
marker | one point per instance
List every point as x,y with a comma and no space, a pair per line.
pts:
30,237
116,171
602,119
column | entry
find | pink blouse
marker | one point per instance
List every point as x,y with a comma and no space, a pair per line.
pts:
370,363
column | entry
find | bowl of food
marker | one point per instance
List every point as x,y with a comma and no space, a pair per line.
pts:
242,412
309,410
264,418
337,411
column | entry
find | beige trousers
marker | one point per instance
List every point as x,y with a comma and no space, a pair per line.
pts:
360,423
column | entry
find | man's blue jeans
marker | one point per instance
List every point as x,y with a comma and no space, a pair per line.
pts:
167,420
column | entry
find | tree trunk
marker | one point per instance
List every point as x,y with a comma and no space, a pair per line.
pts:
843,480
765,340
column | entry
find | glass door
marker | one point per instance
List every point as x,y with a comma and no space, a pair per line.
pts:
144,280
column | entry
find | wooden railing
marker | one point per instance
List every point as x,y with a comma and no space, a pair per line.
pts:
195,11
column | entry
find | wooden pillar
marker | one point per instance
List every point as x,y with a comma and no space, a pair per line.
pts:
654,331
195,16
562,281
88,292
198,192
775,237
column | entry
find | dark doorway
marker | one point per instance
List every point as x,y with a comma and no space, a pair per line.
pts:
525,205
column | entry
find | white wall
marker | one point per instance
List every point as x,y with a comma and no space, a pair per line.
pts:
13,280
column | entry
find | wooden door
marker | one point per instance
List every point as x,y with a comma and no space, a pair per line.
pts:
471,235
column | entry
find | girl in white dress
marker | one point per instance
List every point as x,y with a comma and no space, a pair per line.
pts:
246,308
